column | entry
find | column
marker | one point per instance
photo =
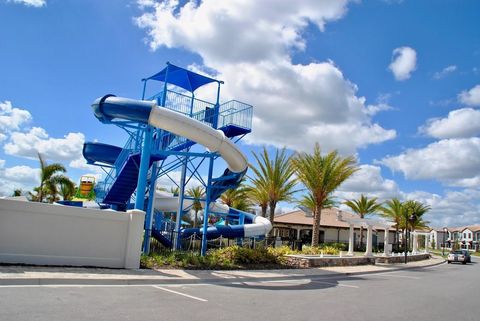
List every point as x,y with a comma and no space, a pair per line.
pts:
350,240
298,233
368,252
386,250
426,243
415,241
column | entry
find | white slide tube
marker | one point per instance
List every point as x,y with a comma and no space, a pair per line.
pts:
165,202
196,131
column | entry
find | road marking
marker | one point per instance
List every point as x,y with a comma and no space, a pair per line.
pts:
338,284
180,293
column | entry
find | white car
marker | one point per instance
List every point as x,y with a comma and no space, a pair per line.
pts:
459,256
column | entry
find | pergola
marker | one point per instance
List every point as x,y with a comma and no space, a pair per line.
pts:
415,241
368,223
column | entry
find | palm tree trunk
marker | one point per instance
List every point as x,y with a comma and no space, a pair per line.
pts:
271,218
396,238
316,226
264,210
40,192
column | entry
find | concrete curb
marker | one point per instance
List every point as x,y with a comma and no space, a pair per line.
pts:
173,280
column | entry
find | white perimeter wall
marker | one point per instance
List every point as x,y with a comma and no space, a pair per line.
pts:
37,233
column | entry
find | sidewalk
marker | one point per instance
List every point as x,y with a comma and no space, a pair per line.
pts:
40,275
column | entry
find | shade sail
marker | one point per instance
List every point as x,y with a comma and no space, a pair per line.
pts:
181,77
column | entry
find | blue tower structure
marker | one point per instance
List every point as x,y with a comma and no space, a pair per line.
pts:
162,131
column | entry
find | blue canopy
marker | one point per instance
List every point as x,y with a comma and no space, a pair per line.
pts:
183,78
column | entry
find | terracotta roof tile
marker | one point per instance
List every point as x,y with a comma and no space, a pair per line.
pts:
328,218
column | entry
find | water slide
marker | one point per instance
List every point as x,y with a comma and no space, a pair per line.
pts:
165,202
110,107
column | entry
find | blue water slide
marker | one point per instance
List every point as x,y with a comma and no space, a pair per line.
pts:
100,153
110,107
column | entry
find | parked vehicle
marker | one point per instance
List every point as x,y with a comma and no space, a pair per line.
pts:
462,256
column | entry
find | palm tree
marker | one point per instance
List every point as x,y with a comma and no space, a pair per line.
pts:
17,192
415,210
275,177
322,175
67,188
237,198
393,210
49,177
258,195
363,207
308,202
175,190
198,193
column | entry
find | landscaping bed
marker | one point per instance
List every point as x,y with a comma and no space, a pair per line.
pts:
233,257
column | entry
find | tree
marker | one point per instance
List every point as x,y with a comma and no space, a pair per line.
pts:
49,177
237,198
17,192
308,202
276,178
321,176
259,196
363,207
415,210
67,188
393,210
197,193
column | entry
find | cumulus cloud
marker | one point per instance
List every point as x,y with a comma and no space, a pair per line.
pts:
368,181
451,161
36,140
444,72
470,97
17,177
250,46
31,3
460,123
404,62
12,118
453,208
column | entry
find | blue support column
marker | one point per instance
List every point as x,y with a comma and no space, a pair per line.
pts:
143,170
181,195
206,211
150,210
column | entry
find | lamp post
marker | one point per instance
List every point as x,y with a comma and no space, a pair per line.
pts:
445,230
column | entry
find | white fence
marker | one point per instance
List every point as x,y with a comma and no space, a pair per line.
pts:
45,234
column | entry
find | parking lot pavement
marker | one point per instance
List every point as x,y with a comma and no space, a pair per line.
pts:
414,294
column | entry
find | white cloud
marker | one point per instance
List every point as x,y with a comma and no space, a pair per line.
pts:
17,177
12,118
404,62
249,45
368,181
31,3
237,30
444,72
451,161
470,97
459,123
37,140
453,208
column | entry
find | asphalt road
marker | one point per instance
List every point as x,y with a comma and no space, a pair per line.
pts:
444,292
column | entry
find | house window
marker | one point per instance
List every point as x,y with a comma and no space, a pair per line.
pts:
469,235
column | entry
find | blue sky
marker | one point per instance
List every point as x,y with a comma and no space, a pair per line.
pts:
392,82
